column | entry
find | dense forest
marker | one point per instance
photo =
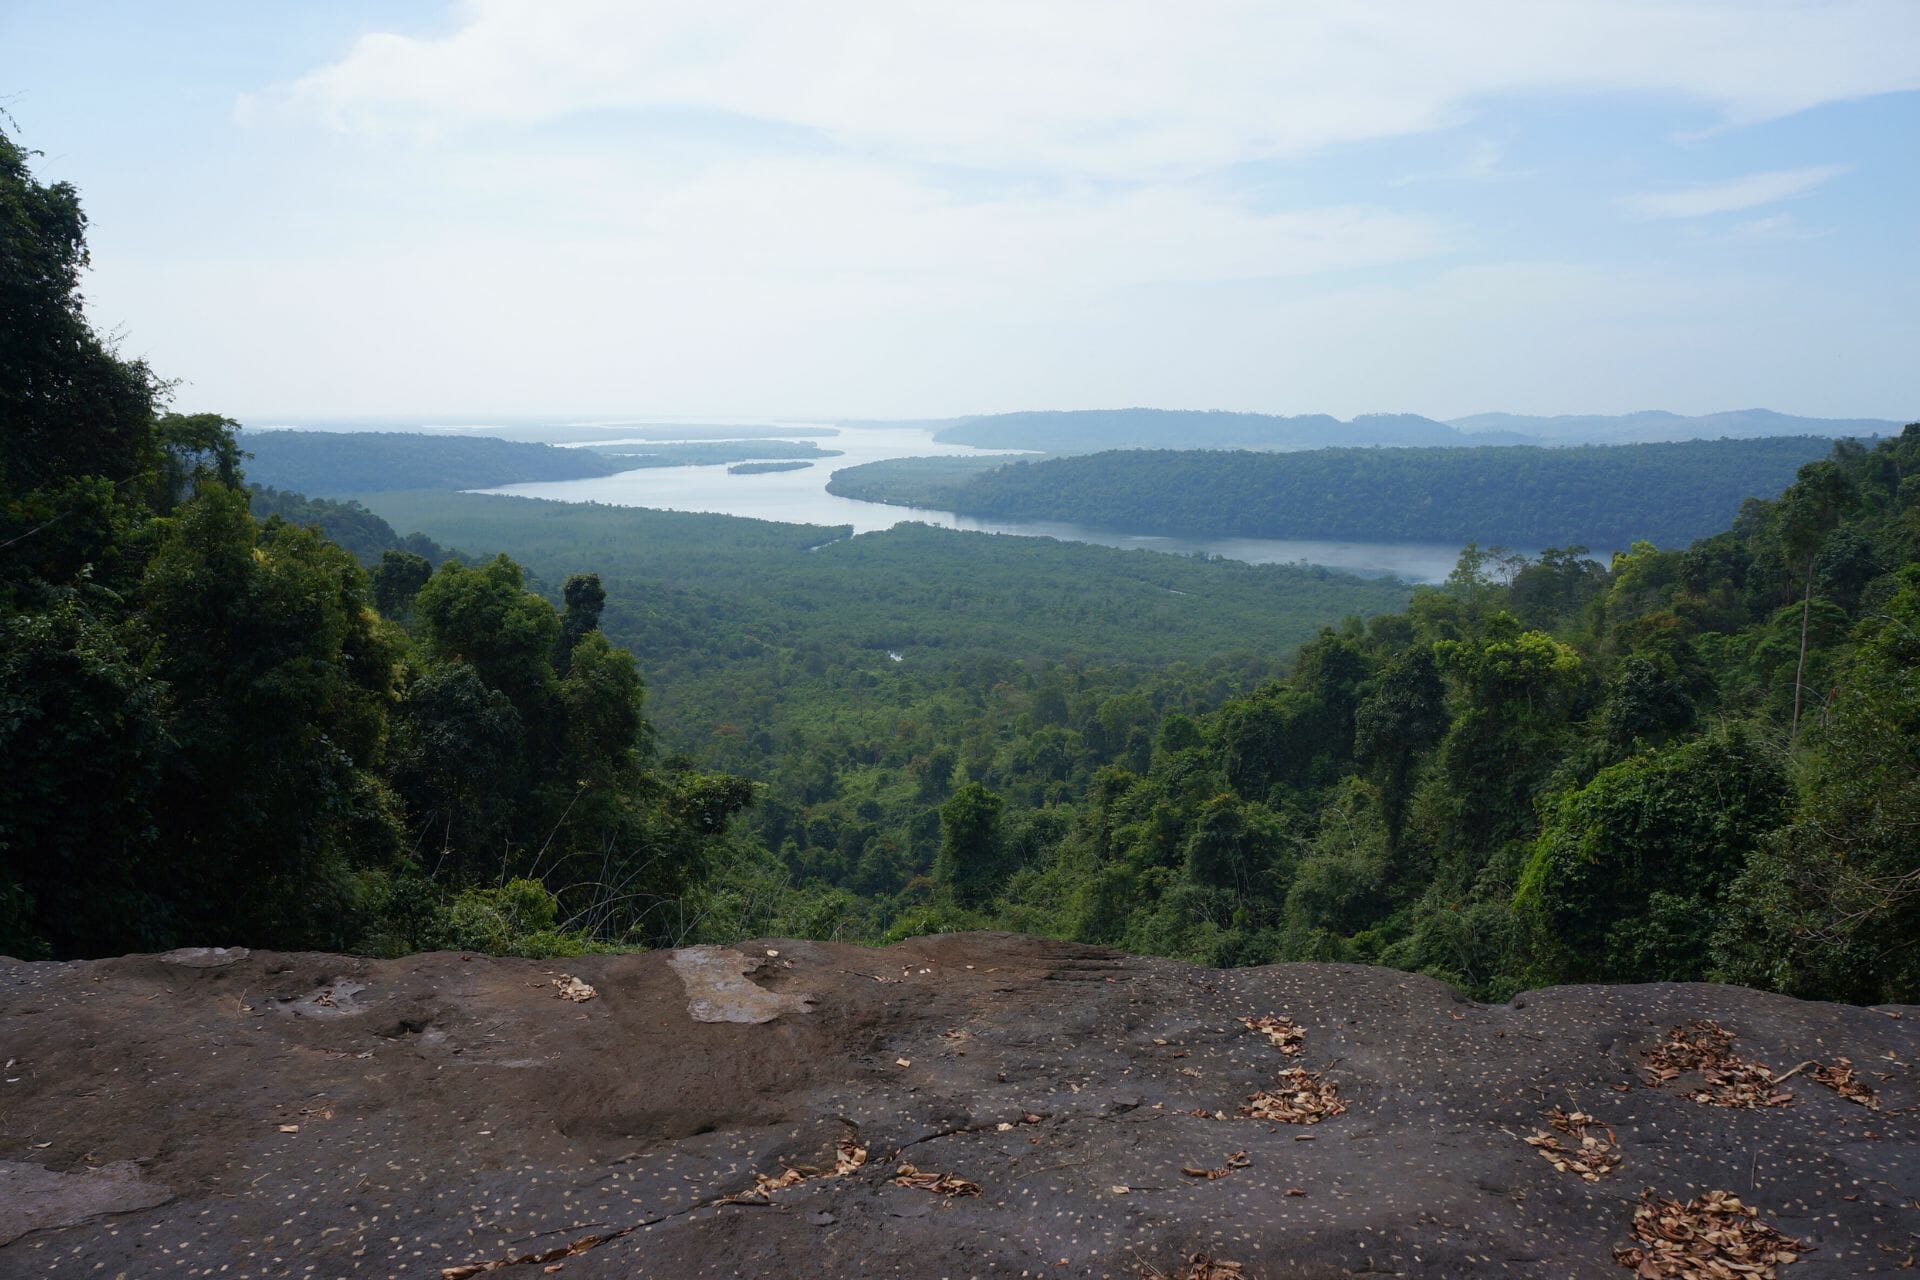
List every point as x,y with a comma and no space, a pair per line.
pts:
708,453
912,482
1653,425
1095,430
218,726
330,462
326,463
1092,430
221,729
1689,763
1605,496
765,468
349,524
549,430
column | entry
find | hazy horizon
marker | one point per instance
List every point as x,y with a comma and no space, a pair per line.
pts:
881,212
480,420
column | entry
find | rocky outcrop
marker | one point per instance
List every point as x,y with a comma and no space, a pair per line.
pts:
1059,1110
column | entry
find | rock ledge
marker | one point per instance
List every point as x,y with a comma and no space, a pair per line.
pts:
451,1115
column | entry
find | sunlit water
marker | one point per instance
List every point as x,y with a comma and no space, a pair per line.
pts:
801,497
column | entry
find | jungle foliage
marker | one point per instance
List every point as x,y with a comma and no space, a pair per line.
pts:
209,733
1546,769
326,464
1606,496
251,717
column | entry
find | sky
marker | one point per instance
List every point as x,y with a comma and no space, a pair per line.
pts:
903,209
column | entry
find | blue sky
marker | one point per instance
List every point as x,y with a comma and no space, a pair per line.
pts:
873,209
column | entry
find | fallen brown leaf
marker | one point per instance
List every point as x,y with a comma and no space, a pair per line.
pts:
569,1250
1840,1078
848,1156
1238,1160
1711,1237
945,1184
1705,1048
1299,1097
571,988
1197,1267
1591,1155
1288,1036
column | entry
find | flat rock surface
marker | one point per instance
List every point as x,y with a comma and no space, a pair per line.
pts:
316,1115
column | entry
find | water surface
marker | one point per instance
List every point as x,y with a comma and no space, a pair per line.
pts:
801,497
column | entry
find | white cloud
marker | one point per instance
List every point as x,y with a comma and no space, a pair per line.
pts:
1111,87
1698,200
827,219
507,328
1774,229
572,205
1481,163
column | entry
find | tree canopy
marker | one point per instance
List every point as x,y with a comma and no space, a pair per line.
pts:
216,728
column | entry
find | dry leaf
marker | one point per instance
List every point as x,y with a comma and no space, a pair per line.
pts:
1706,1048
1201,1267
1298,1097
1590,1155
944,1184
1238,1160
1286,1034
848,1156
572,1249
1711,1237
1840,1078
571,988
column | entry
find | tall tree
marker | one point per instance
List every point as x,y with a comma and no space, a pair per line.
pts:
1631,873
1831,906
397,580
1809,511
1402,716
585,600
971,859
71,408
279,677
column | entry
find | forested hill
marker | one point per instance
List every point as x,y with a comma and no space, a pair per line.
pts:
1606,496
1094,430
347,524
219,728
1088,430
1698,763
327,464
1652,425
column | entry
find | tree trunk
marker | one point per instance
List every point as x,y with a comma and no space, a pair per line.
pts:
1800,670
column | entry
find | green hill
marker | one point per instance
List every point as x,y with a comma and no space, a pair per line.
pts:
1604,496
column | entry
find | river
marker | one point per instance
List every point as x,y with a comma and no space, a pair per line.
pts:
801,497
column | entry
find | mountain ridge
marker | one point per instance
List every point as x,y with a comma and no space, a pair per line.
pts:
1091,430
